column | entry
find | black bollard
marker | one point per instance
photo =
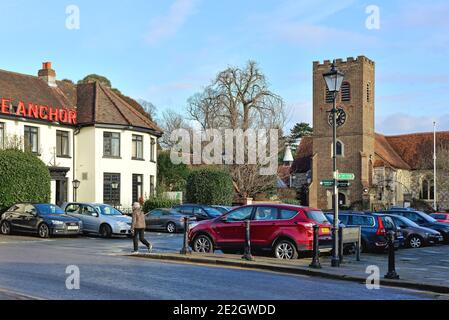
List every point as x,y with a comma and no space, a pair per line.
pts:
185,248
247,255
316,248
391,258
340,244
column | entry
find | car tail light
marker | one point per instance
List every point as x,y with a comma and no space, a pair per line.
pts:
381,229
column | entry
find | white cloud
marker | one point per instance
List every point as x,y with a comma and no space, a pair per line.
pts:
400,123
168,25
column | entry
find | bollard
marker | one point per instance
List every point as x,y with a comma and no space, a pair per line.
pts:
247,255
340,244
316,248
391,258
185,248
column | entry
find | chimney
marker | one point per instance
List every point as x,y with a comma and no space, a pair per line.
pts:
47,74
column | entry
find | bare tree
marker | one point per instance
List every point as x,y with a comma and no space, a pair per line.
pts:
240,98
149,108
170,121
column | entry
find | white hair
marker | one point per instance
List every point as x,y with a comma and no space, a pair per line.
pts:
136,205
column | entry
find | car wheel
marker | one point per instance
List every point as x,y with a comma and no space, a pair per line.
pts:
5,228
171,227
203,244
285,250
105,231
43,231
415,241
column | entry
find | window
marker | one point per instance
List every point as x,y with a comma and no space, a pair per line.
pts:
137,187
2,135
427,190
368,92
240,214
137,147
188,210
152,187
72,208
340,149
197,211
88,211
62,144
111,144
317,216
111,188
345,91
363,221
329,96
31,139
287,214
266,214
153,149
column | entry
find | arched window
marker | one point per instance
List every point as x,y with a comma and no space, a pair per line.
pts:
427,190
345,91
340,148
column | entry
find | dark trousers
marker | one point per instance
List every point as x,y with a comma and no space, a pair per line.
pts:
139,234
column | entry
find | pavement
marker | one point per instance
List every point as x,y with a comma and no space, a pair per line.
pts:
31,268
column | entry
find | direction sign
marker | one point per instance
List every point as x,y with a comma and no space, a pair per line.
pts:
346,176
343,184
327,183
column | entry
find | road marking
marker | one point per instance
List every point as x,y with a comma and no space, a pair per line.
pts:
20,296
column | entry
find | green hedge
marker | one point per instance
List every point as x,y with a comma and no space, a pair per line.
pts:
291,201
158,203
23,178
210,186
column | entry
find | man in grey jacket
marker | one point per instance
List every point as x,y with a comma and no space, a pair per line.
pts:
138,228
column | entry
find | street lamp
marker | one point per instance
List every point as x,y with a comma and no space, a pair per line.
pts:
76,184
114,186
334,79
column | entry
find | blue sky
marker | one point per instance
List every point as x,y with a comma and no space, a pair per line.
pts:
166,50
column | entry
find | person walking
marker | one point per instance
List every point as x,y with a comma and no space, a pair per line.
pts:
138,228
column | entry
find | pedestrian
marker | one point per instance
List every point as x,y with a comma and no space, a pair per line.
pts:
138,228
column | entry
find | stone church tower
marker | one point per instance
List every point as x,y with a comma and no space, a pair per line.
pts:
356,137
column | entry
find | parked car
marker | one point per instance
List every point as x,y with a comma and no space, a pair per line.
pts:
374,229
424,220
223,209
200,212
414,235
101,219
165,219
44,219
330,218
441,217
285,230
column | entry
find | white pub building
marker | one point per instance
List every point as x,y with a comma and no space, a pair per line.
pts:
84,133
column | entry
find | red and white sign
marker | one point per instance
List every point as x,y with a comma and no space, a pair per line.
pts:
37,111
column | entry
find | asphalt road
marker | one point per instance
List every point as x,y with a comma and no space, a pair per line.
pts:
37,268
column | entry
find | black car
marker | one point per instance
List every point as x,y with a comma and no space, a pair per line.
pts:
415,235
200,212
423,220
165,219
44,219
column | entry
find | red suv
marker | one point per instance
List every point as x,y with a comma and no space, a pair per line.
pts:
441,217
283,229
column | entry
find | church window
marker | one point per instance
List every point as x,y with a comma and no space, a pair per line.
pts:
340,149
427,190
345,91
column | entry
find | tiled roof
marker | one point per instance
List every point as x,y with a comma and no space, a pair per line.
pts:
387,154
94,102
32,89
417,149
303,156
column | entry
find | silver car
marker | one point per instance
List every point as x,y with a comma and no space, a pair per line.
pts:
101,219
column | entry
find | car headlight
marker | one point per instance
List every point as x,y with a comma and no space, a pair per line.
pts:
57,223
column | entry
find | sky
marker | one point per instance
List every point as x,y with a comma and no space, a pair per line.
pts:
164,51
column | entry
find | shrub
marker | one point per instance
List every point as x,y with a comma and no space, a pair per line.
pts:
159,202
210,186
290,201
23,178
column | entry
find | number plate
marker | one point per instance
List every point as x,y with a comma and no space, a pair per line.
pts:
72,228
325,230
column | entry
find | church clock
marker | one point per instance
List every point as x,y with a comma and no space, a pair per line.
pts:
341,117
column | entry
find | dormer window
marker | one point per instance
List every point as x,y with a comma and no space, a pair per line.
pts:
345,91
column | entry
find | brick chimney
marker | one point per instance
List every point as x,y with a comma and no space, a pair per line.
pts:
47,74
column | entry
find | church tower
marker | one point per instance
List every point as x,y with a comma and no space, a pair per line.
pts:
355,138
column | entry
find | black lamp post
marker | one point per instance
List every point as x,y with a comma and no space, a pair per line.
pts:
76,184
334,79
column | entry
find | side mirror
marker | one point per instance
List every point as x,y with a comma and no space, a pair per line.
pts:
95,214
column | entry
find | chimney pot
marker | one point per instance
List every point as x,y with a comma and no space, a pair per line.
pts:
46,65
47,74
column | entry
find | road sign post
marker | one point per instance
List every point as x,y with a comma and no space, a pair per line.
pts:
346,176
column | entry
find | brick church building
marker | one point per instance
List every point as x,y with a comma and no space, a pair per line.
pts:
389,170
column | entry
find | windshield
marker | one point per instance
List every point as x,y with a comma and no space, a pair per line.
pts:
426,217
108,210
46,209
408,222
212,211
317,216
